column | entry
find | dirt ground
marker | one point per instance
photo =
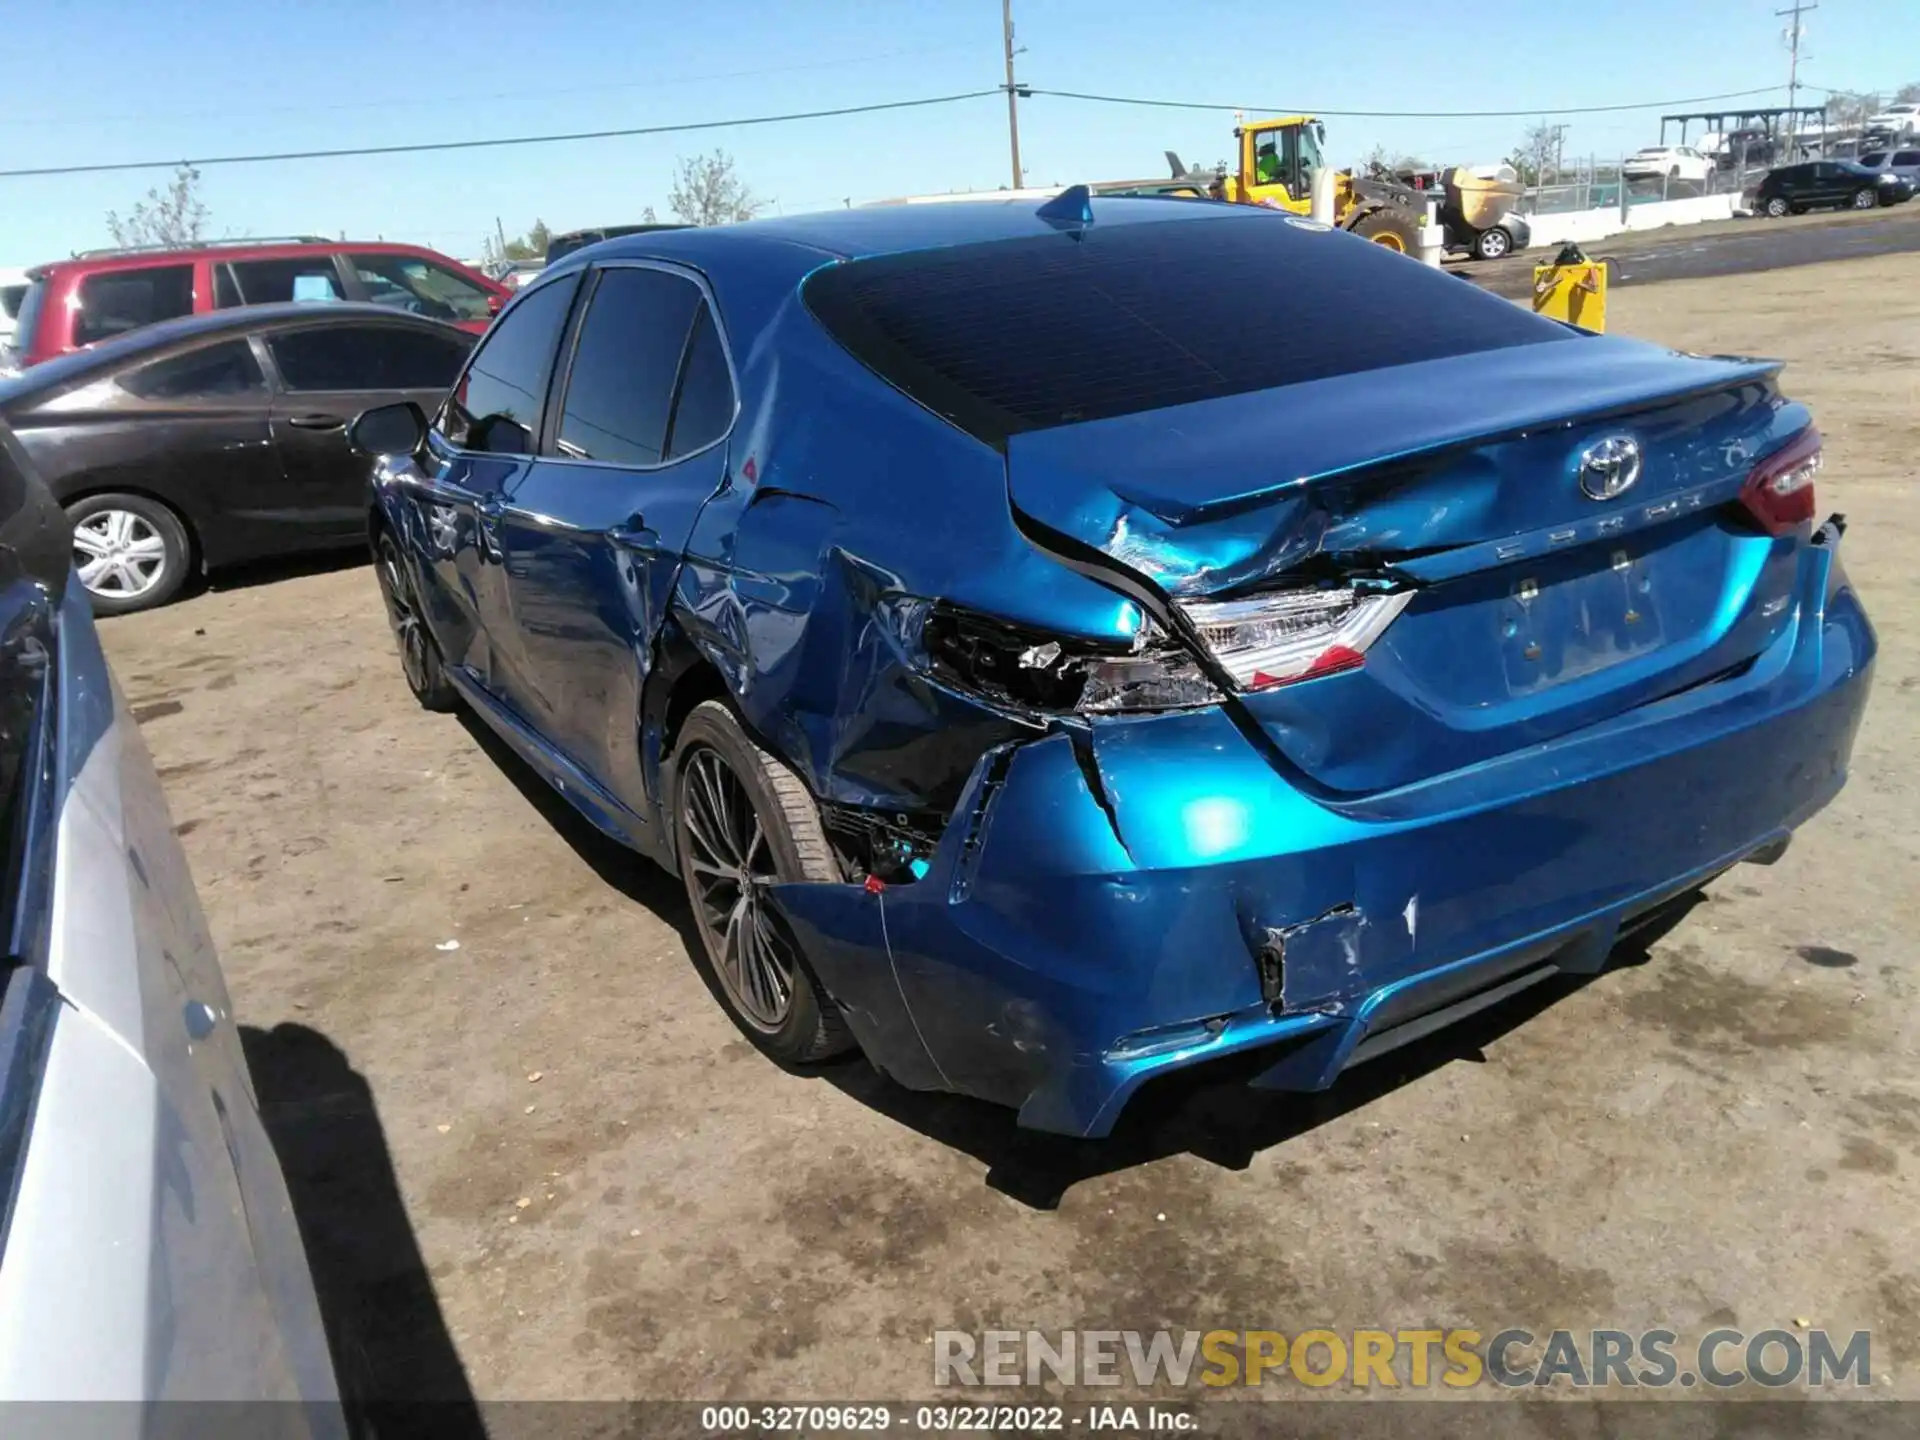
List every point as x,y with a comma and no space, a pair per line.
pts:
544,1164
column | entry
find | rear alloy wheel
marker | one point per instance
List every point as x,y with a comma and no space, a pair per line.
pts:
1391,227
1777,207
130,552
419,656
1492,244
744,822
1865,198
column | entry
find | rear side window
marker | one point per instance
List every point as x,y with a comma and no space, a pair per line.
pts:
704,408
1875,158
496,406
224,369
365,357
620,389
1907,157
272,282
1014,335
118,301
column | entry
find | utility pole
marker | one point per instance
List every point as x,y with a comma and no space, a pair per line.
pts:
1794,32
1013,102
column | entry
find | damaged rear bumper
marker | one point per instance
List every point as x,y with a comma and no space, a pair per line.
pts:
1082,928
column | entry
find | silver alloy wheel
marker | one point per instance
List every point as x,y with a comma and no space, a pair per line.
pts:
1776,207
1493,244
730,858
1865,200
118,554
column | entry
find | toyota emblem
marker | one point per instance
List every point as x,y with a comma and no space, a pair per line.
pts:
1610,467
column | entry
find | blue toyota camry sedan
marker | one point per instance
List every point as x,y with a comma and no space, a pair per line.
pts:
1058,644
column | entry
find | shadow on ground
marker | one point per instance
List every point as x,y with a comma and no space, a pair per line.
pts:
395,1359
1209,1112
287,567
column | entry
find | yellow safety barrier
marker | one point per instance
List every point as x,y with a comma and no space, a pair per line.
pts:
1573,289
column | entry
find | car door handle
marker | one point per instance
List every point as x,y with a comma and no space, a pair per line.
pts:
315,422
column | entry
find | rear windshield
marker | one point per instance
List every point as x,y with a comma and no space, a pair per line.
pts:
1012,335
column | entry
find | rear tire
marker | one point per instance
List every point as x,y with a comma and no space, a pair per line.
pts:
1777,207
742,821
1492,244
1390,227
419,655
131,552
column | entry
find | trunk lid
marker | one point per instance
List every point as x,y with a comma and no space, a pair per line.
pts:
1539,607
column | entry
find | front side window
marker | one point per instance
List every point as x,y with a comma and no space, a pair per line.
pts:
1907,157
224,369
496,405
272,282
113,303
620,389
365,357
420,287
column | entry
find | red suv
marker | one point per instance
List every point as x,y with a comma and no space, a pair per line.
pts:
103,293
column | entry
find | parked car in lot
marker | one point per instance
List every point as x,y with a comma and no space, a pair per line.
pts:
218,438
1513,231
1043,680
1905,163
107,293
1675,162
1898,121
149,1250
1793,188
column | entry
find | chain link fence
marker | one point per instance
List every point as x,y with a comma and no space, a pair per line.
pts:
1594,184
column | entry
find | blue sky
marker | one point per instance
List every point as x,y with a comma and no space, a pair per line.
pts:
109,80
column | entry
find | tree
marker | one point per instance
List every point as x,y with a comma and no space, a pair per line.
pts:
707,191
530,246
1383,160
172,217
1539,154
1908,94
1852,107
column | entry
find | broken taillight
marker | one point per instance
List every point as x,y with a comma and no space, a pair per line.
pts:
1779,492
1290,635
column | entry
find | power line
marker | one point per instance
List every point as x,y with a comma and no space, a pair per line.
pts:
393,102
1400,114
424,147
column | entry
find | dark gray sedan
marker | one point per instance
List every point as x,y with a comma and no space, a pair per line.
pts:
219,438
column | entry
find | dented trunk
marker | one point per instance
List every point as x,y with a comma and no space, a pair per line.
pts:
1540,604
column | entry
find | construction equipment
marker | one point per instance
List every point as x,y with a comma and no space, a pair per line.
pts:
1280,159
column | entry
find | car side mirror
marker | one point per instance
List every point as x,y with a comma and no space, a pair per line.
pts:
389,430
